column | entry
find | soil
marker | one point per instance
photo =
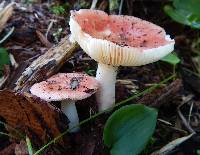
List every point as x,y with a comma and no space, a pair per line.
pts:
26,45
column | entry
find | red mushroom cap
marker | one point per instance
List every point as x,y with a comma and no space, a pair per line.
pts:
122,30
119,40
63,86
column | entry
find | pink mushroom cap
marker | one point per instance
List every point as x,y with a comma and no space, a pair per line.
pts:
119,40
65,86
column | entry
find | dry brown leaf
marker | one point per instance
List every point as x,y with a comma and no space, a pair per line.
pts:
21,148
37,119
8,150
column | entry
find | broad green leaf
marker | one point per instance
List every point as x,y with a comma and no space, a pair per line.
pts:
177,15
4,58
128,129
190,5
171,59
186,12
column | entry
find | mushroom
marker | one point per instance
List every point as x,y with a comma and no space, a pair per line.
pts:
115,40
67,88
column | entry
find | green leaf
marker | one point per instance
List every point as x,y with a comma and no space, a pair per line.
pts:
186,12
171,59
177,15
190,5
4,58
128,129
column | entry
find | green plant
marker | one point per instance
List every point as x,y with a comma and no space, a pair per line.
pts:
198,152
172,59
57,34
90,71
60,9
186,12
148,90
28,1
4,59
128,129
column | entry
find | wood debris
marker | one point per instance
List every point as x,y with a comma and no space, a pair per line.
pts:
46,65
5,15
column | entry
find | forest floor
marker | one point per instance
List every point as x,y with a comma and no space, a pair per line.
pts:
177,101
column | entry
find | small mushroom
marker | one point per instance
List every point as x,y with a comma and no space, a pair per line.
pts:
114,41
67,88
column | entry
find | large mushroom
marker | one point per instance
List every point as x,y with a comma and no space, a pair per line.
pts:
113,41
67,88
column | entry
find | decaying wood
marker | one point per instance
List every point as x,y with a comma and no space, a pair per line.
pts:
46,65
163,96
5,14
30,116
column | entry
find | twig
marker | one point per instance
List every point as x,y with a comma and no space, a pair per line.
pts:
13,61
190,112
43,39
186,124
7,35
169,125
49,27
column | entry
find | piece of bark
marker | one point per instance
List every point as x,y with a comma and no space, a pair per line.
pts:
31,116
46,65
163,96
5,14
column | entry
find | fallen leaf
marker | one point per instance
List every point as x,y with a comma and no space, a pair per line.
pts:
37,119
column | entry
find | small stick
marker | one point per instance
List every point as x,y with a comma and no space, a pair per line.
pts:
43,39
186,124
190,112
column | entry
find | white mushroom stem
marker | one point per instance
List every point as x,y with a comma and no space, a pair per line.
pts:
106,76
68,107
